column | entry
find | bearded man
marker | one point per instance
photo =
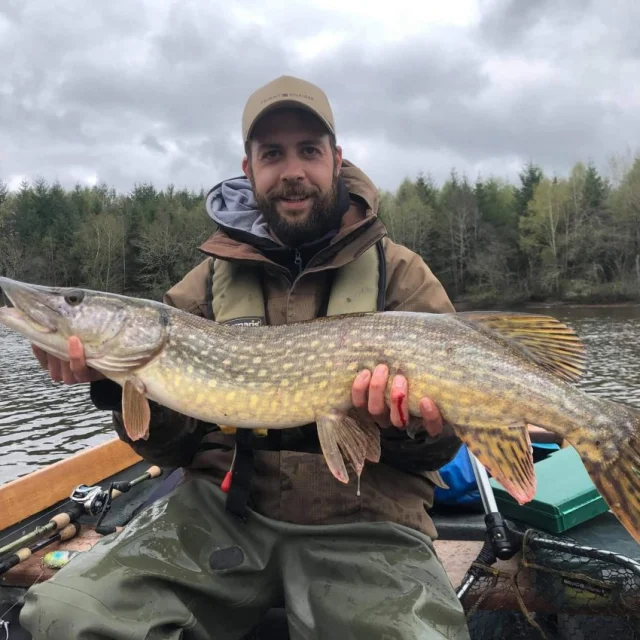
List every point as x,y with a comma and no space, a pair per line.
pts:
260,522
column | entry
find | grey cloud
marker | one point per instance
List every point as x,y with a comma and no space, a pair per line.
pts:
12,10
134,91
153,144
510,23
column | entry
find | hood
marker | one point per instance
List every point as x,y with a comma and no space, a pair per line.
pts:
232,206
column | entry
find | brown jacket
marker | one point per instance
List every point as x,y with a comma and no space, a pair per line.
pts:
293,483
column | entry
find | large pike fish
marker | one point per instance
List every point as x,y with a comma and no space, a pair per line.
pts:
491,374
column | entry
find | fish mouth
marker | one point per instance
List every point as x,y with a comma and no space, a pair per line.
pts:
16,317
29,307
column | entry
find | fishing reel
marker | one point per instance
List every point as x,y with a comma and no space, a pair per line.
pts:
92,498
96,501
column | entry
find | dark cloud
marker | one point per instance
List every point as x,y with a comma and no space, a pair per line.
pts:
140,90
152,143
512,24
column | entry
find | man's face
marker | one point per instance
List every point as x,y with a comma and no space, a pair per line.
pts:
294,173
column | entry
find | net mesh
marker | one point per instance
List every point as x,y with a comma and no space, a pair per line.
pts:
552,589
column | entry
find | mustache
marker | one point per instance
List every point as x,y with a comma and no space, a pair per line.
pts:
291,191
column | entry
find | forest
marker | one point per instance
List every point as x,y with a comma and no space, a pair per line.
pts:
573,238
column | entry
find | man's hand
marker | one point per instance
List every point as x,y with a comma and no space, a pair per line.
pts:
73,372
367,395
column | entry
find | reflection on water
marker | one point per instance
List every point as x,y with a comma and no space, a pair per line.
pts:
42,421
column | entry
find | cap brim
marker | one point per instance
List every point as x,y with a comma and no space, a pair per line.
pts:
283,104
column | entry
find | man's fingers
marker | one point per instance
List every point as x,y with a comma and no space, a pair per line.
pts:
377,406
399,403
78,364
41,356
71,372
75,350
360,389
55,370
431,417
67,374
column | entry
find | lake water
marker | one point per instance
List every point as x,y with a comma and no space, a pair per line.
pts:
42,422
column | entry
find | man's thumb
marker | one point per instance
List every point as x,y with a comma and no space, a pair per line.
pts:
75,350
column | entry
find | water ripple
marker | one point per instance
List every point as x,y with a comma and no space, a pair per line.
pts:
41,421
611,336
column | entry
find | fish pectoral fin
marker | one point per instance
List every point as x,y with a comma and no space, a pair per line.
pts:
545,340
507,454
344,437
135,410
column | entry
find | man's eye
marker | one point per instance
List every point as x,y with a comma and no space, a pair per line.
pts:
272,153
311,151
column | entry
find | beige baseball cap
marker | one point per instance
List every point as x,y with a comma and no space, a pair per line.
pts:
286,91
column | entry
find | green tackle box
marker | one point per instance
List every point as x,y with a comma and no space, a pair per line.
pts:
565,495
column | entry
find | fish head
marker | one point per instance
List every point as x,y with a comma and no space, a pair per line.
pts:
118,333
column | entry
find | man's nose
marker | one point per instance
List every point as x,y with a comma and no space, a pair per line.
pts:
292,169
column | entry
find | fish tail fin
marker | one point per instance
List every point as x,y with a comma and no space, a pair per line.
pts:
614,467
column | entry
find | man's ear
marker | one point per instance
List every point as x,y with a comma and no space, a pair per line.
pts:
245,166
338,160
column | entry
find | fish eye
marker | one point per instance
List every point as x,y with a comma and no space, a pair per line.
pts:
74,298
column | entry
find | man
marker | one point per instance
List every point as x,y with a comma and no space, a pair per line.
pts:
258,522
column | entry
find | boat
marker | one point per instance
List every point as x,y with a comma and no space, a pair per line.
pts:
507,593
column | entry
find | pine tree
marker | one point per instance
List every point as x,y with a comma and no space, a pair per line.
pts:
530,177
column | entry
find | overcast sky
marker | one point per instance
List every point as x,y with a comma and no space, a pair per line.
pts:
128,91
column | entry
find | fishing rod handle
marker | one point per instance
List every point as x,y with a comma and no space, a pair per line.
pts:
61,520
151,472
68,532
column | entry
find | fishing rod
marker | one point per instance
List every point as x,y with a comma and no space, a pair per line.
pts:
26,552
89,500
58,522
102,503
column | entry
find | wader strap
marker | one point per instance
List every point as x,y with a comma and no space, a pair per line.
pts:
241,475
382,277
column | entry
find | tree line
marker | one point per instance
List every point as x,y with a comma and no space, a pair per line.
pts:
545,238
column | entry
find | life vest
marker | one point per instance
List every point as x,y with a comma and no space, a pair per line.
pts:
236,297
236,292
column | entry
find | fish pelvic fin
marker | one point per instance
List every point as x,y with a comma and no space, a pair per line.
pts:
347,437
229,430
614,467
545,340
507,454
136,413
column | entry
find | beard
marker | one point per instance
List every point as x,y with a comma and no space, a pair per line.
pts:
323,217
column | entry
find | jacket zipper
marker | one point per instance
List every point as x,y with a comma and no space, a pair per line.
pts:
297,258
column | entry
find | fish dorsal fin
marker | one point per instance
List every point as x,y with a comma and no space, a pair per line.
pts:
543,339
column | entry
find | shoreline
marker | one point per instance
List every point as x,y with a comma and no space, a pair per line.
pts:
507,304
